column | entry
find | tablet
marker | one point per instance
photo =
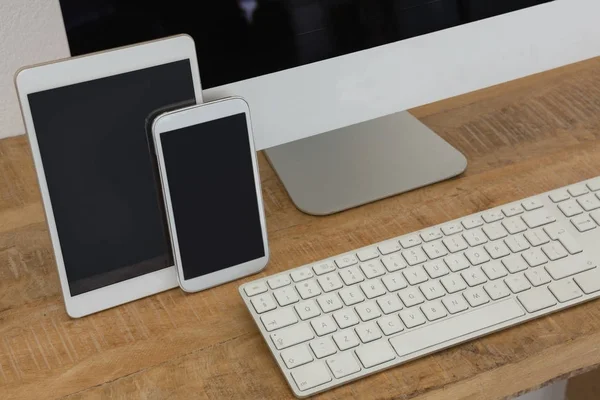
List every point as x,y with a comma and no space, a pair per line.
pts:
86,123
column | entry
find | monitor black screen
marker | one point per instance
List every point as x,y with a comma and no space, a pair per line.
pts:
241,39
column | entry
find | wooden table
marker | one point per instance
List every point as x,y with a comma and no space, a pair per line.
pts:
521,139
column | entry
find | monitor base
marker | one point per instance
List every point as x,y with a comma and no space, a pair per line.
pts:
362,163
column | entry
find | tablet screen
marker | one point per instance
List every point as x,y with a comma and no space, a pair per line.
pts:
101,174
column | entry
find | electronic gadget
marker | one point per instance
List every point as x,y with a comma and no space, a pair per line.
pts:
349,68
85,120
349,316
211,188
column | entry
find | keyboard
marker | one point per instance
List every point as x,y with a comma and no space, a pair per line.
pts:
358,313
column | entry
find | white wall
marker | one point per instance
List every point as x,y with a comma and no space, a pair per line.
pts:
31,31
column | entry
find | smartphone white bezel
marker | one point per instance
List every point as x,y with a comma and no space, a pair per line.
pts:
88,68
195,115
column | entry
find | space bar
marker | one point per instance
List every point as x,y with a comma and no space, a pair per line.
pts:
455,327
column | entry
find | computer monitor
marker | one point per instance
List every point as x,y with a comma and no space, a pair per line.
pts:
327,81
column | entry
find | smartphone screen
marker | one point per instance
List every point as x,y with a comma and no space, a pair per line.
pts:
213,195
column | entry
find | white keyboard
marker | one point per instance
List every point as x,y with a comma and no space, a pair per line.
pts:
343,318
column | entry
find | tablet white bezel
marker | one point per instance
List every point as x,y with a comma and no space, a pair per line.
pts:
195,115
86,68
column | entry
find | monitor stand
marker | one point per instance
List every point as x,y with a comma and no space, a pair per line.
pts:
358,164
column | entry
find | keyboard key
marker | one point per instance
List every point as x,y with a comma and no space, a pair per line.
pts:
330,282
394,262
263,303
346,261
534,257
324,267
415,275
307,309
538,277
451,229
474,276
537,237
394,281
565,290
594,184
476,296
559,195
414,256
329,302
589,202
492,216
569,266
456,262
554,251
517,243
351,275
390,324
308,289
556,232
412,317
368,311
410,241
537,218
517,283
302,274
391,246
495,231
292,335
296,356
477,256
455,303
494,270
583,223
453,283
577,190
346,318
455,243
497,249
343,365
323,347
431,234
411,296
532,204
351,295
285,296
497,290
373,288
537,299
514,225
432,290
279,281
512,210
515,264
375,353
372,269
455,327
472,222
435,250
434,310
311,376
278,319
589,281
254,288
475,237
323,325
570,208
346,339
596,214
389,304
436,269
368,332
367,254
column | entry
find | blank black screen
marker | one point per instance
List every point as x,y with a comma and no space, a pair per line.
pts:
100,172
213,194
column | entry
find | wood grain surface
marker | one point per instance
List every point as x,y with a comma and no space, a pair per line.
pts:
521,138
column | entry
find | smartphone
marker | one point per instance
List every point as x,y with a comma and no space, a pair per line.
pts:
212,195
